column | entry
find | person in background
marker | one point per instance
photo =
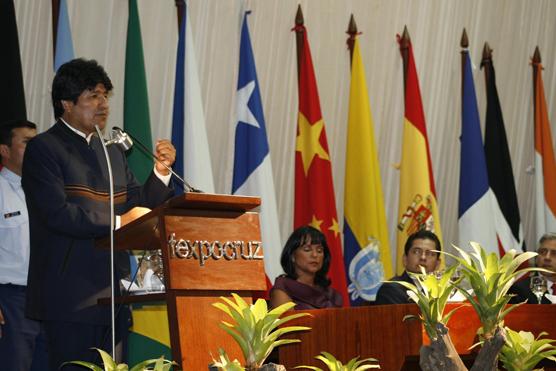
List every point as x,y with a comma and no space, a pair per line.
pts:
22,344
547,260
305,260
419,251
66,184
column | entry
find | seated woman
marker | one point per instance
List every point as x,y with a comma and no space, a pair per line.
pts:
305,259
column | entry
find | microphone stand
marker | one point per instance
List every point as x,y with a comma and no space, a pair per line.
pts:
112,225
188,187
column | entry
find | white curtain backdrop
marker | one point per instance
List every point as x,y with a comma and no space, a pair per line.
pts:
512,28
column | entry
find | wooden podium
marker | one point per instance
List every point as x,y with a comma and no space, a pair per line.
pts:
378,332
211,246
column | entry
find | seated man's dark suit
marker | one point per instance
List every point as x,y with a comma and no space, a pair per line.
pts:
67,191
523,292
394,293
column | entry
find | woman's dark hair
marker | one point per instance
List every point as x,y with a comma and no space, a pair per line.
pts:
74,77
296,239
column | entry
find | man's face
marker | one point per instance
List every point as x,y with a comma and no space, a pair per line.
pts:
12,155
91,109
547,258
421,254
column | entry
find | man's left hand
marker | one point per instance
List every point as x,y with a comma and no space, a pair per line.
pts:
166,153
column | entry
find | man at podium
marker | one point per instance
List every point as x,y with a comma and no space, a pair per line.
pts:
66,184
418,252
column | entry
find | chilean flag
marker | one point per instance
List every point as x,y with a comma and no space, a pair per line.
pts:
252,166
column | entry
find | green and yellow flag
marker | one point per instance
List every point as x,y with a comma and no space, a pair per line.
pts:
149,337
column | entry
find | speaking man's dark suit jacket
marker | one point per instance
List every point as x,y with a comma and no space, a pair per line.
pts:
66,186
393,293
522,292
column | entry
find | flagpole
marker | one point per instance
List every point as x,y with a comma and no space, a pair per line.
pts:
299,29
536,64
405,40
352,32
55,15
464,43
487,60
180,4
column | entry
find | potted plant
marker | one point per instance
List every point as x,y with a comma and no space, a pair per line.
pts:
334,364
159,364
255,329
490,277
523,351
431,297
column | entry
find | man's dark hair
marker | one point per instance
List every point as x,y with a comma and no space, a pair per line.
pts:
296,239
547,237
423,234
74,77
7,129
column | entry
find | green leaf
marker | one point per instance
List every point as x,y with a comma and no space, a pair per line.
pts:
259,309
89,365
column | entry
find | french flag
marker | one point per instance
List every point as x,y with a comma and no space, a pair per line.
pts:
252,167
475,212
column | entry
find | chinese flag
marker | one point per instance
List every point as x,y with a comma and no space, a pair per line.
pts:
314,191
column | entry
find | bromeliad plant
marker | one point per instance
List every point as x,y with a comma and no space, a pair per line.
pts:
256,329
159,364
334,364
490,278
523,351
223,362
432,299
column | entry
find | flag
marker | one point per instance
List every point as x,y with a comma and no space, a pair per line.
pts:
149,336
252,166
136,99
12,94
314,191
366,244
545,165
418,208
189,134
64,44
507,221
475,211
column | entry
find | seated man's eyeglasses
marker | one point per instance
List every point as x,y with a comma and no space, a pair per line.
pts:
417,251
543,251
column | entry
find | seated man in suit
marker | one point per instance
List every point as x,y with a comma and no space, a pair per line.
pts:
418,252
547,260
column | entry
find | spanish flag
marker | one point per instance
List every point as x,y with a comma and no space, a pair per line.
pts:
418,208
366,242
315,203
545,165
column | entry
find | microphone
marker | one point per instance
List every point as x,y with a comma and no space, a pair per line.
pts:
125,141
120,138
